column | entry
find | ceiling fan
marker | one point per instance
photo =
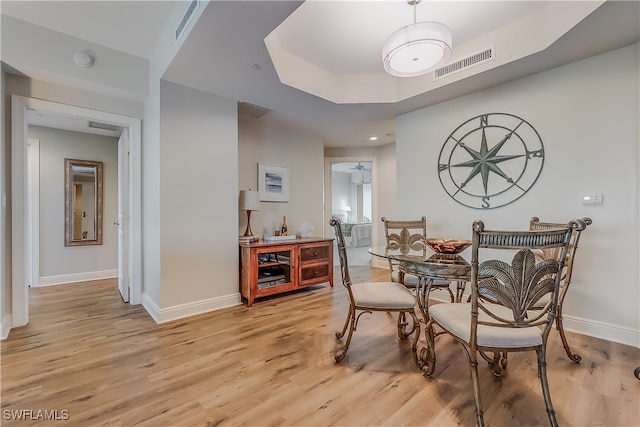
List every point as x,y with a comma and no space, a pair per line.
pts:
358,167
360,175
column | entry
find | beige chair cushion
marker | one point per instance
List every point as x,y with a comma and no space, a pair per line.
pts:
383,295
456,318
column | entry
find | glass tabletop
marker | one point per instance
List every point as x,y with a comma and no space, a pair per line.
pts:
426,255
425,261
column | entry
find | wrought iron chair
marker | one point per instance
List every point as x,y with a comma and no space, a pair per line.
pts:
409,235
536,224
372,296
508,326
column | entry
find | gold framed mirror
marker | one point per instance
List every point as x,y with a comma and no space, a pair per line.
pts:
82,202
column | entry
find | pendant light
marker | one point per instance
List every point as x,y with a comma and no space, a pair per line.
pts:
417,48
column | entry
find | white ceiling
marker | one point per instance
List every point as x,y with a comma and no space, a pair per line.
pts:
327,52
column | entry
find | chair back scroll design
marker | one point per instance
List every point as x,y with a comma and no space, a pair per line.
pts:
409,235
405,236
520,285
499,317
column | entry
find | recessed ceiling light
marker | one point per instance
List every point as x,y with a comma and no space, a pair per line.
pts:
83,59
373,138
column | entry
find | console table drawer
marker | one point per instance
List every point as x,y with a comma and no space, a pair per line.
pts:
313,253
314,272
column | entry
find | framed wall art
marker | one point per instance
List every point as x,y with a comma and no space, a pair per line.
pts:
273,183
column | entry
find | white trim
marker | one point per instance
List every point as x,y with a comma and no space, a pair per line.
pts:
603,330
5,327
33,244
19,107
181,311
77,277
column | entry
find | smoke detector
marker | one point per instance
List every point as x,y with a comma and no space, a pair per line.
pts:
83,59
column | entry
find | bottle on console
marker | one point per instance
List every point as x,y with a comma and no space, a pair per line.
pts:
283,229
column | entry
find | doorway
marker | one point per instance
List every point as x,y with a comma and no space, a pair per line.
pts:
20,107
350,198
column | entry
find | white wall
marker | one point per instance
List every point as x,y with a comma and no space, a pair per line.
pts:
385,180
341,195
302,154
198,190
163,53
587,114
60,264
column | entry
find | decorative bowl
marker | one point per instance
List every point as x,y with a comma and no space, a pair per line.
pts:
448,246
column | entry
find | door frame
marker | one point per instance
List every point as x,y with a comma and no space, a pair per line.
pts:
33,213
19,192
328,161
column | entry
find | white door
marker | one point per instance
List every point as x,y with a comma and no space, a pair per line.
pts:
123,219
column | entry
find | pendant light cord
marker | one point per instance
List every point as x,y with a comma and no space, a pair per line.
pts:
414,10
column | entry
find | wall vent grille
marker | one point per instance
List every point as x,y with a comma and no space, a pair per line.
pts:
187,18
103,126
465,63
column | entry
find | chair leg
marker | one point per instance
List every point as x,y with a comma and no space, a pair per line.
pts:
340,354
575,357
340,334
473,363
542,374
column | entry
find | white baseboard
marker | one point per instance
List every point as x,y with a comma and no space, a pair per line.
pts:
180,311
5,327
77,277
590,328
602,330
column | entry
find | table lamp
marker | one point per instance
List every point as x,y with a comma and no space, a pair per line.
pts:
249,201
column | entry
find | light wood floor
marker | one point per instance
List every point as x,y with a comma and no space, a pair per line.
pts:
107,363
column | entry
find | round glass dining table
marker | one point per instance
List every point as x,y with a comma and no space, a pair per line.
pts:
428,266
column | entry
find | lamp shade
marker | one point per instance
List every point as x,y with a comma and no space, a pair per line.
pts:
417,49
249,200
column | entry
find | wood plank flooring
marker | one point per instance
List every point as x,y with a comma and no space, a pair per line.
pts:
100,362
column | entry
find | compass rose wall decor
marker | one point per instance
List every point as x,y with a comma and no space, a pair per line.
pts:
490,160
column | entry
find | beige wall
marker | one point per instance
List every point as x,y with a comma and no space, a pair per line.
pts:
302,154
198,192
587,114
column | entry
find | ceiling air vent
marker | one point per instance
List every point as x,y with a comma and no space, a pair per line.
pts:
103,126
465,63
187,18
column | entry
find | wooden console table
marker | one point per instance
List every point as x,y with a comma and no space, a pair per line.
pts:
269,268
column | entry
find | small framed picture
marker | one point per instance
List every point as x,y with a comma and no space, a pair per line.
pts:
273,183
